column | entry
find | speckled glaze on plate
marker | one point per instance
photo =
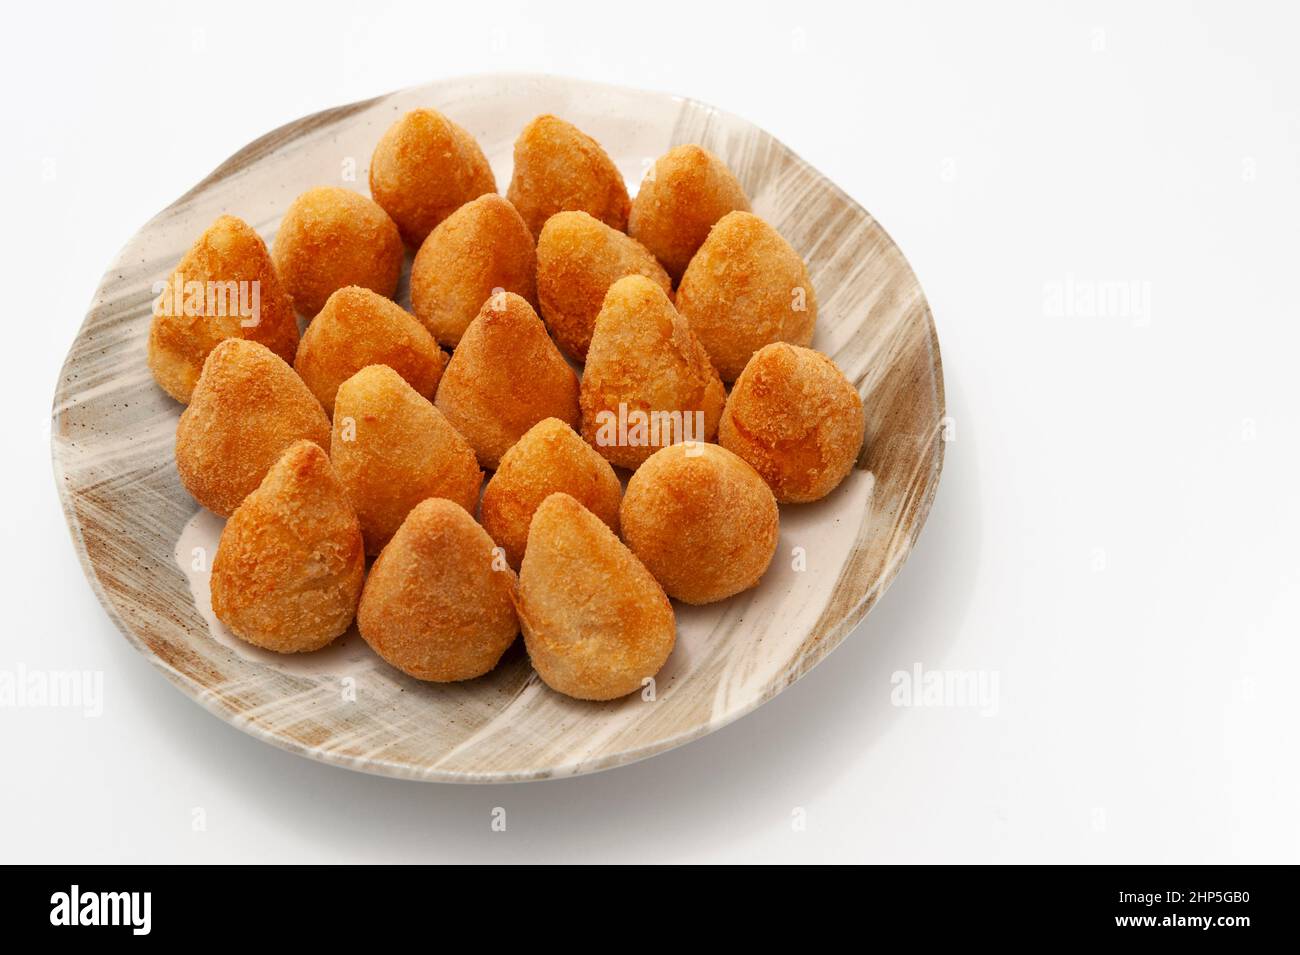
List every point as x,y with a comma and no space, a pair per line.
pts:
138,532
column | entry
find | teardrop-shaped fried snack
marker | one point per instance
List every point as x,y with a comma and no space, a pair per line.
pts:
504,377
647,382
578,259
392,448
357,328
439,602
595,622
481,247
247,408
796,420
289,568
549,458
331,238
560,168
424,168
686,191
701,520
224,287
746,288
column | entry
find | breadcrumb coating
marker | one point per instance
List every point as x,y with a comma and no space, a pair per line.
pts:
247,408
481,247
357,328
662,300
439,601
504,377
595,622
229,251
290,564
392,449
685,192
645,362
549,458
796,420
746,288
423,169
578,259
702,521
559,168
331,238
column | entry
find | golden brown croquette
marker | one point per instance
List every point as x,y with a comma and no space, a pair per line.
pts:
559,168
746,288
424,168
331,238
357,328
796,420
504,377
578,259
480,248
549,458
224,287
595,622
289,568
648,382
701,520
247,408
392,448
439,601
685,192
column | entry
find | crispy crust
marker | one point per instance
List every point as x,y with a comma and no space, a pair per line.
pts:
739,292
247,408
702,521
504,377
796,420
289,568
560,168
684,194
439,605
331,238
644,356
578,259
357,328
595,622
423,169
482,246
549,458
229,251
392,449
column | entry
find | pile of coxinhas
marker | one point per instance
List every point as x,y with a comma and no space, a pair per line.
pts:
360,437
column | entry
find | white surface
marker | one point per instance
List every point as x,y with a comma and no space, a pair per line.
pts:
1113,539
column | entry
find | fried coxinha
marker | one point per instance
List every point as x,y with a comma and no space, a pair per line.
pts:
364,439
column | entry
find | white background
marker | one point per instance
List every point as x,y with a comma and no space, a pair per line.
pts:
1115,532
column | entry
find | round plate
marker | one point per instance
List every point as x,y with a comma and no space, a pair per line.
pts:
145,546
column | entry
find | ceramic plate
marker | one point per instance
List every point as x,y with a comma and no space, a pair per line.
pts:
144,543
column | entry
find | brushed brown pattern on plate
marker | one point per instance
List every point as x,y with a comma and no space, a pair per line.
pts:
113,432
